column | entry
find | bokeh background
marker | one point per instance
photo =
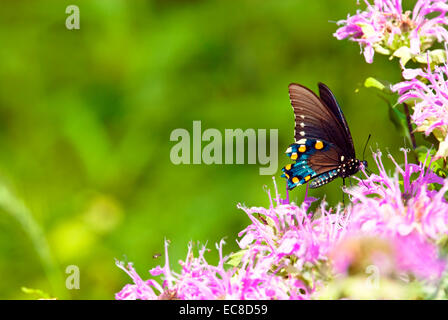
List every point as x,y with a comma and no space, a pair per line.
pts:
86,116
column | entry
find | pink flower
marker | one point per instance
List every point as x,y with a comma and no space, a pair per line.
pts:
391,254
140,290
416,255
405,211
403,203
289,252
384,27
288,233
199,280
427,91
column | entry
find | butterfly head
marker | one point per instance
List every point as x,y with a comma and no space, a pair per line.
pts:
364,164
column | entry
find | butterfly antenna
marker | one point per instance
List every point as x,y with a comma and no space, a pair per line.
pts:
365,147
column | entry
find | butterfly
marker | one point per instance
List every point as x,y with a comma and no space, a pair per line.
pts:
323,149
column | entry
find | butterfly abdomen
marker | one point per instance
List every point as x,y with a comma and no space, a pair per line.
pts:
344,170
324,178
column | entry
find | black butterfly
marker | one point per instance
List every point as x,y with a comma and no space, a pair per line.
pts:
323,148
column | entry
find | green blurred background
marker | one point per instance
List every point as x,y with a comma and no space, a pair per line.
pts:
86,116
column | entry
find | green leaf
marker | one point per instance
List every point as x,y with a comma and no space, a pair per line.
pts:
422,153
381,50
39,294
367,29
235,258
437,166
410,102
430,139
439,134
443,149
404,53
398,119
381,85
437,56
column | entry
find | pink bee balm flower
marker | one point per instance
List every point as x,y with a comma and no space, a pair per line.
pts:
384,27
427,91
416,255
403,203
391,254
289,252
289,236
199,280
407,211
140,290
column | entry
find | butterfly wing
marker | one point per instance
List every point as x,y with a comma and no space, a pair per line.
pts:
330,101
315,120
314,159
322,137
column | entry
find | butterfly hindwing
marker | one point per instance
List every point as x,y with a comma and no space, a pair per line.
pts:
297,173
313,158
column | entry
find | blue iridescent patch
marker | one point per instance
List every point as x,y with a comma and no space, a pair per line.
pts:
300,172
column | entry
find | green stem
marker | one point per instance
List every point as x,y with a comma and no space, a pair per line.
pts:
408,120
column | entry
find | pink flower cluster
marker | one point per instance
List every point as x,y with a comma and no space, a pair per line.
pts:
271,241
289,252
199,280
427,92
406,210
384,27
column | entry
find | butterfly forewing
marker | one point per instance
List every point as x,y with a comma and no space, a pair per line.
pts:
330,101
313,119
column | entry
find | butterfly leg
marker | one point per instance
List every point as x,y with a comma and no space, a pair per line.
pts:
343,195
362,180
